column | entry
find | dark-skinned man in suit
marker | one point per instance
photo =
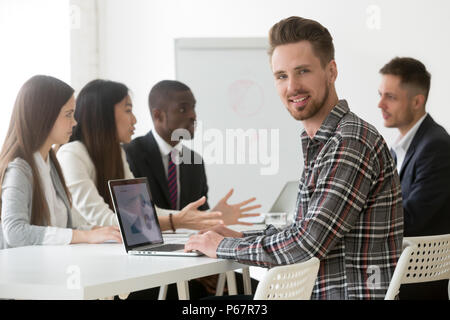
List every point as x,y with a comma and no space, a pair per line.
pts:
175,173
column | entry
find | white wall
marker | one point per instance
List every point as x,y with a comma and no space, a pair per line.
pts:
84,54
34,38
136,42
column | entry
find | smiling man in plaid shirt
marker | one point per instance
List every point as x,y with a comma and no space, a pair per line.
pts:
349,203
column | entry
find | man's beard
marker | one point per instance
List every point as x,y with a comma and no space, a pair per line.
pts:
317,106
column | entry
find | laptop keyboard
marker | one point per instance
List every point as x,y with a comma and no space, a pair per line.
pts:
167,247
175,240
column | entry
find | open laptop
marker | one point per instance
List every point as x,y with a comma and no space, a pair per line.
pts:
286,200
139,225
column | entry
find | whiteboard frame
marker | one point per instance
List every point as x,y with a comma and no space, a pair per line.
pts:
256,43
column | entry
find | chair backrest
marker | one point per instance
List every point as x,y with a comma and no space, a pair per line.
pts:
290,282
285,202
423,259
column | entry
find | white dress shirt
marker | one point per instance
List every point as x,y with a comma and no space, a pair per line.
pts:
166,149
402,143
79,173
57,233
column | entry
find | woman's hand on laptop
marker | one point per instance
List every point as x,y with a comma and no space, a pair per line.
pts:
192,218
96,235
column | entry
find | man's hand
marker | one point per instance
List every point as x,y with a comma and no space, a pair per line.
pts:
192,218
206,243
231,213
208,240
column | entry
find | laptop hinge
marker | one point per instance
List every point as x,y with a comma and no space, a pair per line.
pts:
149,246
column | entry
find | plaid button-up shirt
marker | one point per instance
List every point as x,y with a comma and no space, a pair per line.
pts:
349,216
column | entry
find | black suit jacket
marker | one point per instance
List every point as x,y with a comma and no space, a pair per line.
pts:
145,160
425,179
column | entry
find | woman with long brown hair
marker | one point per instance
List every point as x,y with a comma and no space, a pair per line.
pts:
35,202
104,114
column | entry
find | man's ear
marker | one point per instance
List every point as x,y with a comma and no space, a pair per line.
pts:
157,115
418,101
332,71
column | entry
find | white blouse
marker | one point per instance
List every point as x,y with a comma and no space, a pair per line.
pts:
79,173
57,233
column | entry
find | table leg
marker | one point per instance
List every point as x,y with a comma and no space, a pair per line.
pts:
220,285
231,283
183,290
162,292
246,280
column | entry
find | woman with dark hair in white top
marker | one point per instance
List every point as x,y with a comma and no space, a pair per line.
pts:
105,120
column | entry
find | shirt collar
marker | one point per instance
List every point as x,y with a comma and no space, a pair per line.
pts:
43,166
405,141
329,125
164,147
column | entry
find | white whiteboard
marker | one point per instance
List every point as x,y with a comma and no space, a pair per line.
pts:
234,88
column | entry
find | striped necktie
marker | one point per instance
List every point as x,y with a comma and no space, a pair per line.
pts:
172,180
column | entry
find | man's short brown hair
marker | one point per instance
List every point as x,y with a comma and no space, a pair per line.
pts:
411,72
295,29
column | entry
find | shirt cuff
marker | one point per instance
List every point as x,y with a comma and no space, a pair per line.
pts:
57,236
165,212
227,248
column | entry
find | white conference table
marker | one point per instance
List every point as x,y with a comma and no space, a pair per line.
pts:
95,271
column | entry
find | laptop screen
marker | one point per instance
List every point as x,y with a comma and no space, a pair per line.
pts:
137,217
